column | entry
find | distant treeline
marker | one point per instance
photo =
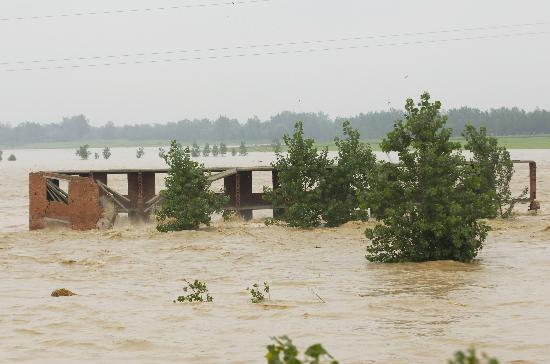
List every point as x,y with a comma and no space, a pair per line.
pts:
373,125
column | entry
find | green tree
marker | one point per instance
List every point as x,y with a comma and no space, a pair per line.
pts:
301,173
471,357
12,158
215,150
106,153
162,152
83,151
223,149
243,150
1,153
196,151
433,200
496,171
140,152
348,180
187,201
233,151
283,351
206,150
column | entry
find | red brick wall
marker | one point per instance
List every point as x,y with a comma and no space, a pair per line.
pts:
84,208
37,201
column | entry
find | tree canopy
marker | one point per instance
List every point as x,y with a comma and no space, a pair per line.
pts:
372,125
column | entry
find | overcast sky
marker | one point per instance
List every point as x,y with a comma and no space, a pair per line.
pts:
366,74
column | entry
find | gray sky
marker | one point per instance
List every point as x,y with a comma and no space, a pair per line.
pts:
484,73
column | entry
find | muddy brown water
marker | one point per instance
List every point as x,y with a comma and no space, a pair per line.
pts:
126,278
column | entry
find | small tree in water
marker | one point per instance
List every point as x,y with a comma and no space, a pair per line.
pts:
341,190
496,171
83,151
196,150
283,351
471,357
12,158
106,153
215,150
223,149
1,153
140,152
206,150
433,200
162,152
301,173
243,150
187,201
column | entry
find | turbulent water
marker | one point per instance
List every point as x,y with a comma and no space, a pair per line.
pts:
322,288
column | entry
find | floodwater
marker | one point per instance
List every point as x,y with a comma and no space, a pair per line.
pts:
322,288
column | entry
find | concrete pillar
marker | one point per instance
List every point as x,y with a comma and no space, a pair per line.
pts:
244,193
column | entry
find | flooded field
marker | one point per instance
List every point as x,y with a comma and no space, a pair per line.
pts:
126,279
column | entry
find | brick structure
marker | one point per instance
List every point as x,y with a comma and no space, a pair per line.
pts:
81,210
81,206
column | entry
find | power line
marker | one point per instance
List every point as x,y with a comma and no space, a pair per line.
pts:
136,10
296,51
280,44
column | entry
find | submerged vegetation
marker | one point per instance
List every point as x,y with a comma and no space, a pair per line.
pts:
471,357
257,292
106,153
283,351
495,169
187,201
196,292
433,194
301,173
352,173
431,203
83,152
140,152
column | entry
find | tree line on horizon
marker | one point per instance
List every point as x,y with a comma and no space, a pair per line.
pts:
372,125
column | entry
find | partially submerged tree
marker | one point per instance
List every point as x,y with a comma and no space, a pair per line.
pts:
495,172
243,150
196,150
83,151
215,150
283,351
12,158
162,152
233,151
433,204
471,357
206,150
347,181
106,153
187,201
140,152
1,153
223,149
301,172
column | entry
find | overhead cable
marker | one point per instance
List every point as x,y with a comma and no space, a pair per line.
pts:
283,52
135,10
279,44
